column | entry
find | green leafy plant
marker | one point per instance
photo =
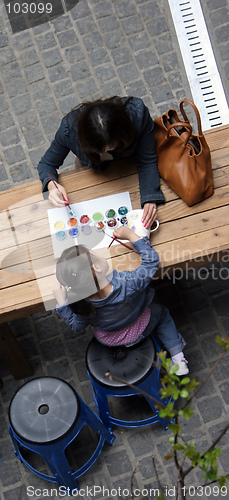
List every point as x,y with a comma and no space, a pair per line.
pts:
182,452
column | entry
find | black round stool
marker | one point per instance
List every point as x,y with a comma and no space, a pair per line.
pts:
132,370
46,415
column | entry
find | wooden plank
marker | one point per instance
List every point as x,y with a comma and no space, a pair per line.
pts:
194,246
217,138
194,224
177,209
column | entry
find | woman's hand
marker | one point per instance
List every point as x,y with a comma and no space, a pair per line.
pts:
55,196
60,294
149,214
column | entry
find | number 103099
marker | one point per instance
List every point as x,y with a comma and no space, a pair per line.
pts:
205,491
29,8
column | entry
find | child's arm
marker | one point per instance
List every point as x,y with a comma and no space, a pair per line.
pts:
140,277
77,322
60,293
124,233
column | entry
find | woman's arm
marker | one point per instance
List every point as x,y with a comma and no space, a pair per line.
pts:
146,158
55,155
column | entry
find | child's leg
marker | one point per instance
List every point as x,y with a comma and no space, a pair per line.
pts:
165,329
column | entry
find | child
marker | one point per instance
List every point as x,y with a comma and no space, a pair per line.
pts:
118,305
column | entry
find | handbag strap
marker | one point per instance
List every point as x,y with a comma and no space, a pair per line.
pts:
182,124
196,112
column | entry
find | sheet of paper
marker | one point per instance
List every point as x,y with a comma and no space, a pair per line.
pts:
59,222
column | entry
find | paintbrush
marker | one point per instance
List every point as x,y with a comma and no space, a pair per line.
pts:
119,241
55,184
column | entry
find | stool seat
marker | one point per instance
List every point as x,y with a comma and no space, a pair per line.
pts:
131,364
133,372
46,415
44,410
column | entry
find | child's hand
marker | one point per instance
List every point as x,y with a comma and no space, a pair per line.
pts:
124,233
60,294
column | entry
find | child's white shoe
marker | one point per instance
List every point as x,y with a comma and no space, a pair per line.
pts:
183,365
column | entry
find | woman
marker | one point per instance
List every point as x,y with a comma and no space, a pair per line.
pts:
119,126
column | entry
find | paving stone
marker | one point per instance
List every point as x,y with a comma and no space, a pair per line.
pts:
128,73
21,104
52,57
103,9
195,301
46,327
114,39
11,71
141,443
204,321
118,463
221,304
99,56
27,121
52,349
224,388
92,40
4,40
80,70
211,408
221,372
16,87
7,55
110,23
132,25
22,41
9,136
149,10
85,25
68,103
222,34
224,459
154,76
29,58
161,94
139,42
9,471
45,41
52,123
125,9
20,172
157,26
88,88
14,154
48,105
215,431
34,74
105,72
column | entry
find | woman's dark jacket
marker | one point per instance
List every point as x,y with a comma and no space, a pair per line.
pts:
144,150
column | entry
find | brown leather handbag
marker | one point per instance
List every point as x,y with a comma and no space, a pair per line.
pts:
184,160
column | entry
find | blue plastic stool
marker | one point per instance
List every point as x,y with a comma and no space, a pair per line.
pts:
132,365
46,415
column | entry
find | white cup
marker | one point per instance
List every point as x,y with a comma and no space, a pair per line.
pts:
134,222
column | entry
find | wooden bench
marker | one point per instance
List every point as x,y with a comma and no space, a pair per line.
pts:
187,236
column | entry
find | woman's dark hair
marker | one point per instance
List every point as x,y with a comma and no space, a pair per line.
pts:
103,123
74,271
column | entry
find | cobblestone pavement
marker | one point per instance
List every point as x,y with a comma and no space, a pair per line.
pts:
103,48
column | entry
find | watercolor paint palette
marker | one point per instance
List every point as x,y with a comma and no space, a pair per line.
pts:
89,222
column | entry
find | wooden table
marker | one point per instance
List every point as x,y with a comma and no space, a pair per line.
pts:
187,236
